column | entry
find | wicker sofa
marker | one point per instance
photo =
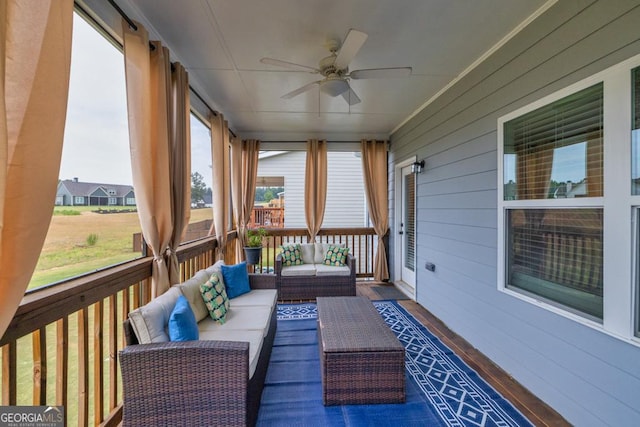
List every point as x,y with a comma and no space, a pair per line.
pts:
313,279
217,380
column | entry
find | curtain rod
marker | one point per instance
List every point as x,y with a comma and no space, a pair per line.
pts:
134,27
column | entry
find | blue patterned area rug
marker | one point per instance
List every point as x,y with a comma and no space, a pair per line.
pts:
441,389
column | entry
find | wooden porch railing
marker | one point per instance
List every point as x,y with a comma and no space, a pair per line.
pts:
62,345
266,217
362,243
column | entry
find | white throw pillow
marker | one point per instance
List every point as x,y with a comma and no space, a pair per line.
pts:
150,321
191,290
308,250
321,251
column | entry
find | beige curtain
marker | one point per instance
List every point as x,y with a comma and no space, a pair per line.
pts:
35,57
220,180
374,170
180,165
244,170
533,172
148,102
315,186
595,179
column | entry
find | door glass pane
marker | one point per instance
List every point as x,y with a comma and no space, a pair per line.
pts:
409,222
635,133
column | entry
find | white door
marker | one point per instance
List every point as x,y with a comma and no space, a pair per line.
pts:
407,228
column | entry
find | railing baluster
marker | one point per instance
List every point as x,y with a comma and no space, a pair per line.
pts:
39,349
98,363
113,351
83,367
62,361
9,376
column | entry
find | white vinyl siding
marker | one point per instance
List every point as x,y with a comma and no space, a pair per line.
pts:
345,205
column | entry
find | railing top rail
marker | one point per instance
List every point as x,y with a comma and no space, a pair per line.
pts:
48,304
364,231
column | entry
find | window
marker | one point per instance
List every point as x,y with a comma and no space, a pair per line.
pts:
201,179
556,152
95,158
268,209
569,202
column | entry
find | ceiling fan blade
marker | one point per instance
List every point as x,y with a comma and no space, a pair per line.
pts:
350,47
351,97
380,73
300,90
289,65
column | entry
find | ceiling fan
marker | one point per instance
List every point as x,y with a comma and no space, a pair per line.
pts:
335,69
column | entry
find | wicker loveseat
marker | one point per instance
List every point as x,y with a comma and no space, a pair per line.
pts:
217,380
312,278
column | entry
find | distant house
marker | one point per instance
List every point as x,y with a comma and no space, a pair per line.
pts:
345,206
72,192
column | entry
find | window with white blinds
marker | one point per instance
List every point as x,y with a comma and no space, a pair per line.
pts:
410,221
556,151
553,155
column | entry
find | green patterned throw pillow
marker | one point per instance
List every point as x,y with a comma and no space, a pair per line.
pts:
291,255
336,256
215,298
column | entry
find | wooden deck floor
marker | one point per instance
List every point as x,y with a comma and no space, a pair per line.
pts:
533,408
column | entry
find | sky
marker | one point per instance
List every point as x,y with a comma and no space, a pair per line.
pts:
96,141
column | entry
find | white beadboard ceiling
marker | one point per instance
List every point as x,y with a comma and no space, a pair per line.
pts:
220,42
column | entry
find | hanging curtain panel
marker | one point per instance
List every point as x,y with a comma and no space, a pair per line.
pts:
35,61
148,104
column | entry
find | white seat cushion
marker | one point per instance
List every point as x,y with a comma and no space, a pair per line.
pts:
240,319
299,270
150,321
330,270
191,290
254,338
257,297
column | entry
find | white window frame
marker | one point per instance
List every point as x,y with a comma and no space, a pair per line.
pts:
619,305
78,200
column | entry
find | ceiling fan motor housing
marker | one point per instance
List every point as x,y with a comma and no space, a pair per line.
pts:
334,85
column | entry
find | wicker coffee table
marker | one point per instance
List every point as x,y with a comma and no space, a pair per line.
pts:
362,361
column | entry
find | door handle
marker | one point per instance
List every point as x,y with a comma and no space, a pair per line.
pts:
400,232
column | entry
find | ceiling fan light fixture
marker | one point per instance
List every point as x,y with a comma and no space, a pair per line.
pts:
334,87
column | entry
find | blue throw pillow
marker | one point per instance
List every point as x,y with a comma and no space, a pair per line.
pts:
182,322
236,279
